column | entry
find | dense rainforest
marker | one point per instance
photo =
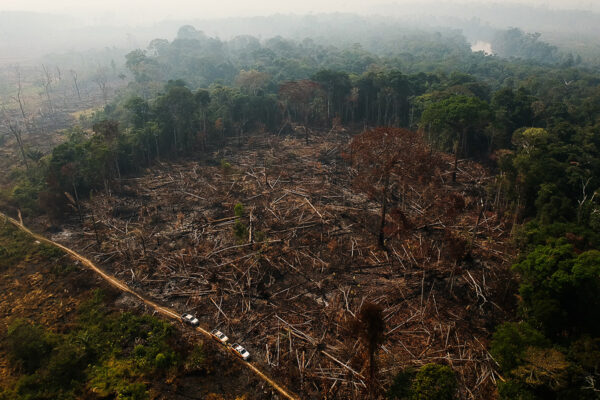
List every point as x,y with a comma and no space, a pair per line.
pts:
533,120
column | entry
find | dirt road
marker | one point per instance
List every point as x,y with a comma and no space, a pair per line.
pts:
160,309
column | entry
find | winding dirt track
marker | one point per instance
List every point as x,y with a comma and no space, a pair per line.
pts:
162,310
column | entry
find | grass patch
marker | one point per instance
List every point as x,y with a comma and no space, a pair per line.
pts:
17,246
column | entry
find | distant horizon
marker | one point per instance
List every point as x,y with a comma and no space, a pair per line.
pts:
144,13
27,34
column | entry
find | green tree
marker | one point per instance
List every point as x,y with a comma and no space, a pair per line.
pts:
434,382
175,114
28,345
401,386
511,110
458,123
336,85
67,365
139,110
559,289
510,342
202,99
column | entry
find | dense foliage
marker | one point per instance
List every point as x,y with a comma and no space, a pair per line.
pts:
108,353
430,382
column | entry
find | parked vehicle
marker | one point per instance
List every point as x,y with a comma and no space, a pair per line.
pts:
190,319
240,352
219,336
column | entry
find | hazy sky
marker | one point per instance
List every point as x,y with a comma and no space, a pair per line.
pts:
144,11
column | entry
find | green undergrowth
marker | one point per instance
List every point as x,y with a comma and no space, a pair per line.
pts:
107,354
100,353
17,246
430,382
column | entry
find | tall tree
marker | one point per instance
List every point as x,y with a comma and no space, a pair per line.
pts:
298,99
202,98
337,88
101,79
458,123
19,98
15,130
47,83
139,110
252,81
175,112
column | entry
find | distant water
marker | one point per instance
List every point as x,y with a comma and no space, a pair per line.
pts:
480,45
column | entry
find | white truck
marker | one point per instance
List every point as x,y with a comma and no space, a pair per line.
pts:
240,352
219,336
190,319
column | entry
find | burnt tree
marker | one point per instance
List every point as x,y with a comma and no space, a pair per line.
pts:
369,327
385,156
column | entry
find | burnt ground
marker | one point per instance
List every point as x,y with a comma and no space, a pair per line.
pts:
305,258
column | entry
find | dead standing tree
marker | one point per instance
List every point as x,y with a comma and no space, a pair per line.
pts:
384,154
101,79
74,76
19,98
370,327
48,87
16,132
298,98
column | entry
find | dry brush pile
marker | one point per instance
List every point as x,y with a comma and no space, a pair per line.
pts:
276,244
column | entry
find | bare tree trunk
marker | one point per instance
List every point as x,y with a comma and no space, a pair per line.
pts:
266,176
156,143
19,99
175,138
74,75
367,113
101,80
306,129
95,228
47,86
481,211
17,134
328,111
78,204
118,169
15,130
455,165
383,211
250,230
205,135
460,144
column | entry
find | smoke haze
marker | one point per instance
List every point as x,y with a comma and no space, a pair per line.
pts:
31,28
146,12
